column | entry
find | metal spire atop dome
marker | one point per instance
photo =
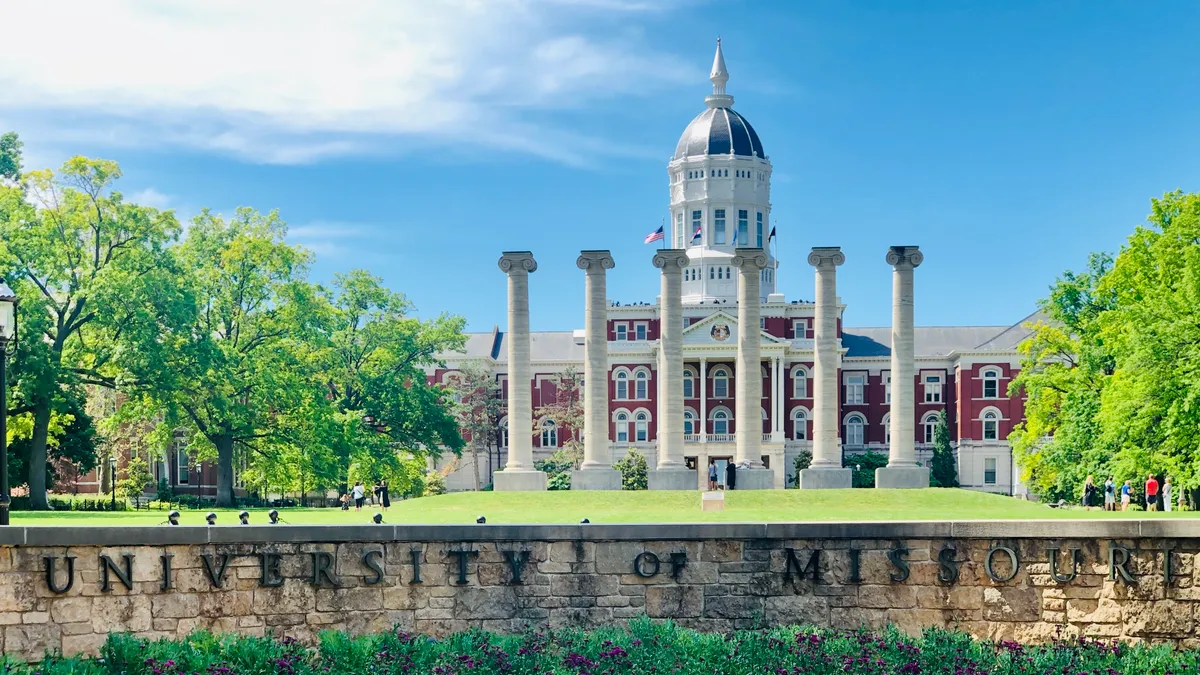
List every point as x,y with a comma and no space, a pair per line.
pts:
719,77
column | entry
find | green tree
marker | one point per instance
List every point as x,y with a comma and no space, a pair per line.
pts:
84,262
566,411
863,466
803,461
944,470
479,410
633,470
137,478
10,157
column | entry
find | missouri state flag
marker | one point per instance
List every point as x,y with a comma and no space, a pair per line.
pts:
696,236
656,235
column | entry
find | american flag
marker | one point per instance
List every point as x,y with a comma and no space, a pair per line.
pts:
656,235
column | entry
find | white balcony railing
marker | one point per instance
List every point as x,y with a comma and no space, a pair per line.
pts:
691,438
720,438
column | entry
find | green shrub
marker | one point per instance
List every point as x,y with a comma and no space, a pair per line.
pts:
435,484
558,468
633,470
164,493
864,465
803,461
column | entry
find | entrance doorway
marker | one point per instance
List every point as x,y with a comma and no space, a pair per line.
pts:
722,464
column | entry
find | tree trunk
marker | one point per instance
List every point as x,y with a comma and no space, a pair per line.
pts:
224,471
37,458
475,462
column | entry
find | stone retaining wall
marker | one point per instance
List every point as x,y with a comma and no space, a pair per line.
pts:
1131,579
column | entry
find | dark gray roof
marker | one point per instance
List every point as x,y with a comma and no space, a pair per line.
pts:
719,131
929,341
1012,336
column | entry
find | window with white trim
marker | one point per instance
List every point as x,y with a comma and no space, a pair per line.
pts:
622,427
743,227
679,230
759,231
887,389
689,384
718,226
639,331
549,434
929,428
991,426
643,427
800,425
887,429
989,471
991,383
799,328
622,386
720,423
800,383
622,331
504,433
854,430
720,383
933,388
689,423
696,217
642,389
854,389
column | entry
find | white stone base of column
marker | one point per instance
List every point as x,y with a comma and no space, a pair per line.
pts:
909,477
596,479
826,479
519,481
672,479
754,479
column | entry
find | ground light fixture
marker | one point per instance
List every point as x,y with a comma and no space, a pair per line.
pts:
8,343
244,516
274,516
173,518
480,520
377,519
211,518
585,521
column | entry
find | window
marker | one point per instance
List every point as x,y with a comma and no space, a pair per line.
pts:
759,230
720,383
689,423
719,226
720,423
854,389
989,471
504,433
549,434
991,422
689,384
622,427
679,230
887,389
622,386
887,429
854,430
799,328
640,331
642,385
933,388
622,331
643,427
728,273
743,227
991,384
696,215
800,425
800,383
181,457
928,427
762,322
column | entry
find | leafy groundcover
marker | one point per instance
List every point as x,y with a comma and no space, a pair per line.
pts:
643,647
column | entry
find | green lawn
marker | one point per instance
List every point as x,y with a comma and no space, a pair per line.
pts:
641,507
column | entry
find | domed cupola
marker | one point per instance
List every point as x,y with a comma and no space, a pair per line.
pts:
720,130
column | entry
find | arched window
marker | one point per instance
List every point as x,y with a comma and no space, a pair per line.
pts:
799,383
720,422
800,425
766,424
689,423
991,426
643,427
622,427
689,383
720,383
887,429
712,273
854,430
504,433
549,434
991,383
642,379
622,386
929,427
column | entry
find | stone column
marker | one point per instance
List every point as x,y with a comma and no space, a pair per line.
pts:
703,400
826,470
518,473
750,263
902,470
596,472
671,473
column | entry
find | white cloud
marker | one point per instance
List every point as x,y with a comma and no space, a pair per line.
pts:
292,81
153,198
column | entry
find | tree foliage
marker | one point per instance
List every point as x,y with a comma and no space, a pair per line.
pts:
944,470
565,410
1113,376
634,470
479,409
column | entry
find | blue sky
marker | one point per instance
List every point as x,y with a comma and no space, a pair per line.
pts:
419,140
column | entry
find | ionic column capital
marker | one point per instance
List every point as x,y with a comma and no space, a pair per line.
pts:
671,260
826,256
517,261
904,257
595,261
749,259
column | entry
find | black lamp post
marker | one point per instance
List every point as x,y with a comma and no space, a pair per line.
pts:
112,479
8,342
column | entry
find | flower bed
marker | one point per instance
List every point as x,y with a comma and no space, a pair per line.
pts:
645,647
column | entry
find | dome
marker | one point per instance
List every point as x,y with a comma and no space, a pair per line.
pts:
719,131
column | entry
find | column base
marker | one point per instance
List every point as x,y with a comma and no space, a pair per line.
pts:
754,479
902,477
596,479
528,480
680,478
826,479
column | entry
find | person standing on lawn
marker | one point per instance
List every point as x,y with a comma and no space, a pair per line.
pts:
384,497
1166,494
1151,493
1110,495
1089,493
358,493
712,474
1125,495
730,476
